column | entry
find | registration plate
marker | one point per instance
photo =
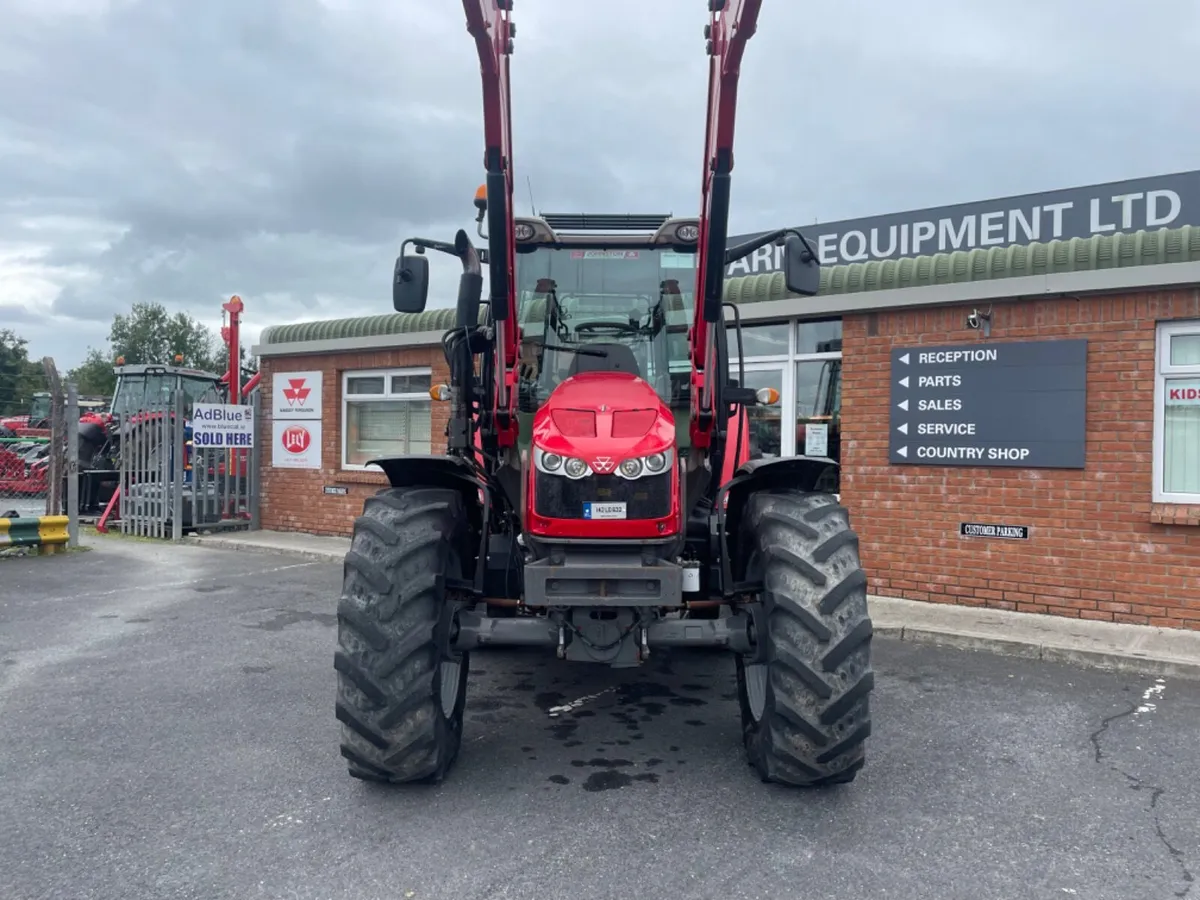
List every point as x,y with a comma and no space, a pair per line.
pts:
595,510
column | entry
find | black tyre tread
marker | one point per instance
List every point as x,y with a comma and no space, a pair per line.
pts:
816,719
389,615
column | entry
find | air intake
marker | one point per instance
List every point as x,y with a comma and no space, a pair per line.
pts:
605,221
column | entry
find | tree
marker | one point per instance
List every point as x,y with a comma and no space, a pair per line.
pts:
20,377
94,377
148,334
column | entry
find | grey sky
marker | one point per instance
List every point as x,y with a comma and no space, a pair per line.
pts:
281,149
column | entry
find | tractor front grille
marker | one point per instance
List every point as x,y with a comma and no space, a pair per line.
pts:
557,497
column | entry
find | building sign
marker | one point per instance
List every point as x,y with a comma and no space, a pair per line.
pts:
296,445
1019,404
1006,532
296,425
1183,392
222,425
335,489
297,395
1165,201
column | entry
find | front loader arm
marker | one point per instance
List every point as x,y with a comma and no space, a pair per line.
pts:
489,23
733,23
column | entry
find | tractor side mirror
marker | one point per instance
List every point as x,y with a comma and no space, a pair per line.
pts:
410,284
801,269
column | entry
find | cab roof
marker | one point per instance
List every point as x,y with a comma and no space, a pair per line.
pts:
155,369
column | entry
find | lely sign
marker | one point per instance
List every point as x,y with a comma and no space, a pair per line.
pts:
296,425
296,439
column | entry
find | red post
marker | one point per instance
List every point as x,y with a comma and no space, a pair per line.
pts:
234,307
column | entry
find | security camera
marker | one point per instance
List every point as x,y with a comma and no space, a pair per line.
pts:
977,320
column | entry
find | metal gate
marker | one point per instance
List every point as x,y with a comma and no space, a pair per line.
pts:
172,484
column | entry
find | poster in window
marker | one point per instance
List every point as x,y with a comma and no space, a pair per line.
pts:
816,439
296,445
1183,393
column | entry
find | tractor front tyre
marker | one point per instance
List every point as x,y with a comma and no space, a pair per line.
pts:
400,692
804,695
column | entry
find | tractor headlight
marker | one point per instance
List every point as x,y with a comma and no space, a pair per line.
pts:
557,464
637,466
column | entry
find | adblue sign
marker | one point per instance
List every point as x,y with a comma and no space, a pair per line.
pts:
1164,201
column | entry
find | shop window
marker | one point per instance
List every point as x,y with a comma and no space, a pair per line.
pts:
385,413
819,414
1177,414
770,339
819,337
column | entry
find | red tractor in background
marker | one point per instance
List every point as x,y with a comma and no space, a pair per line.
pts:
139,389
36,423
143,390
596,497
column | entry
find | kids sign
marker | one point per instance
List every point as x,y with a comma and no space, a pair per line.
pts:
222,425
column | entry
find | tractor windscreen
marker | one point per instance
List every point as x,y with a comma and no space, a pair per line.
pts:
39,409
570,298
141,392
138,392
199,390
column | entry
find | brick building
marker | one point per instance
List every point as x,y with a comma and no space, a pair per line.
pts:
1114,536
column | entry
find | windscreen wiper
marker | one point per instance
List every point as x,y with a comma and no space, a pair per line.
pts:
580,350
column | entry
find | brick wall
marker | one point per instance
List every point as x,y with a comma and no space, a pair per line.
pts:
294,499
1098,548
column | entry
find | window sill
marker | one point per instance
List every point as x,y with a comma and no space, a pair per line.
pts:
1175,514
370,475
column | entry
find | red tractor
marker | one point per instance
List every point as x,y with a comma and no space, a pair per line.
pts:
596,497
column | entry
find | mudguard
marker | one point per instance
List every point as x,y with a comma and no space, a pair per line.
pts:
451,472
796,472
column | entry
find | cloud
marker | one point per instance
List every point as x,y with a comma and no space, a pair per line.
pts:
282,149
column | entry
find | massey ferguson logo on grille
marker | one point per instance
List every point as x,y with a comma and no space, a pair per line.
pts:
603,464
295,439
296,392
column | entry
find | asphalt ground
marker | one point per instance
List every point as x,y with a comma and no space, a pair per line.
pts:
167,731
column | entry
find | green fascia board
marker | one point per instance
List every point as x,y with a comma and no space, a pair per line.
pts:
1103,251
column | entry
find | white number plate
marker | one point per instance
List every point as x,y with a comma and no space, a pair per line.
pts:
595,510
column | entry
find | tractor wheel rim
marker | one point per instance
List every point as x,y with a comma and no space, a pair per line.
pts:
756,689
450,676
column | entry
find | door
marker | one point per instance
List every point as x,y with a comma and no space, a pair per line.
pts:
766,422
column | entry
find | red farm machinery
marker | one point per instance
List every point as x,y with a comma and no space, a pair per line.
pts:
597,497
138,398
143,395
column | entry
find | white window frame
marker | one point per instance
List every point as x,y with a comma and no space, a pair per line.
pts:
787,398
387,375
1164,372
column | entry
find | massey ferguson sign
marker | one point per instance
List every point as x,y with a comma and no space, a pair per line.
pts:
296,429
297,395
1164,201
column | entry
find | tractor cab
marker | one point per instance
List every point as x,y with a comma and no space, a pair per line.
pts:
35,422
39,411
603,399
141,388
